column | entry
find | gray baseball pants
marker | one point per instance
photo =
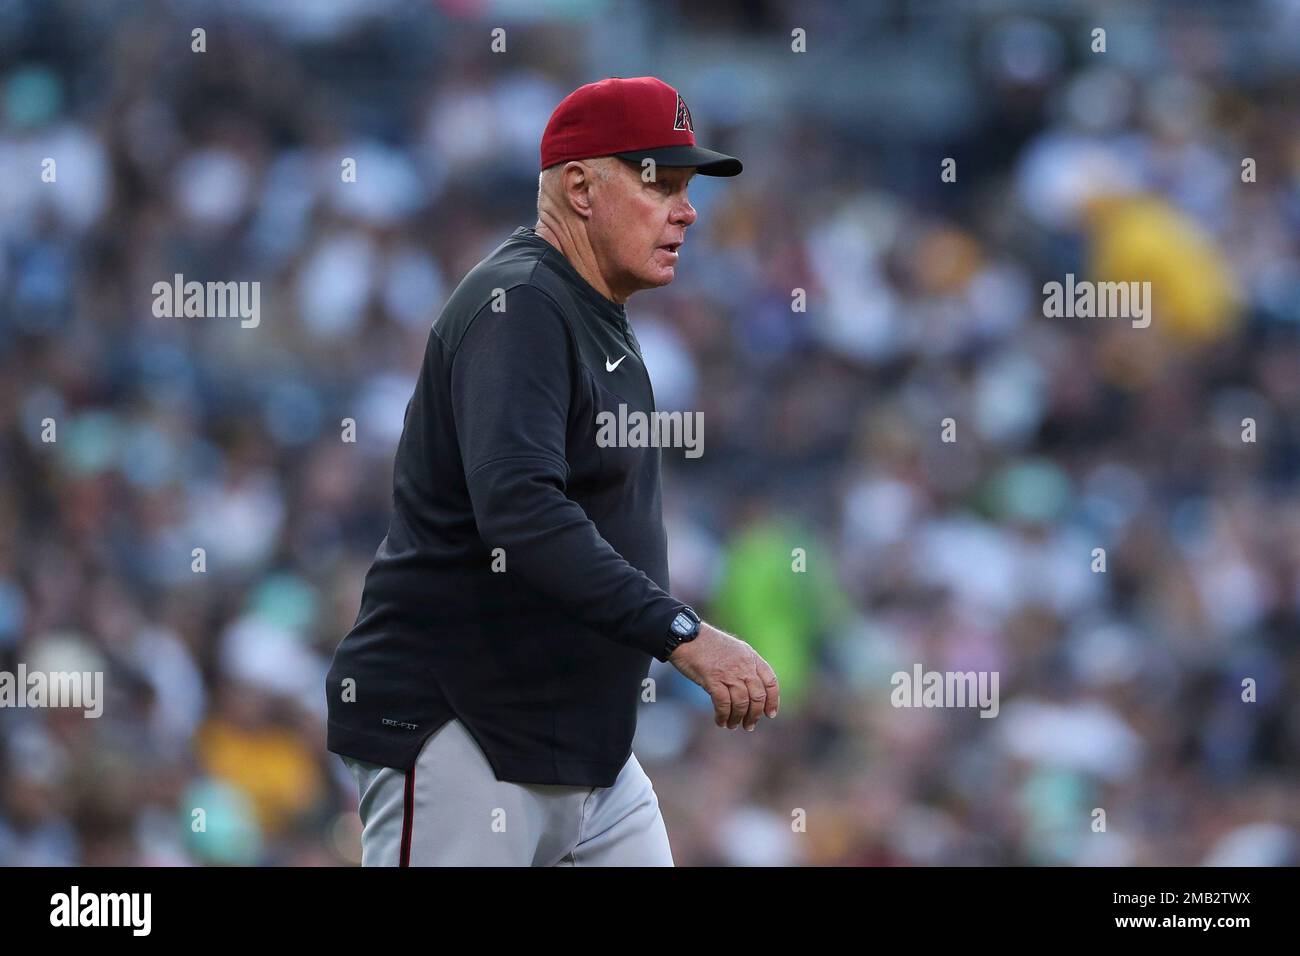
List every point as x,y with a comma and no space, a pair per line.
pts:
451,810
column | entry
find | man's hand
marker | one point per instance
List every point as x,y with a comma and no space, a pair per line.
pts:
741,684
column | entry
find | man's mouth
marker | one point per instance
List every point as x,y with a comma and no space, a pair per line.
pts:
671,248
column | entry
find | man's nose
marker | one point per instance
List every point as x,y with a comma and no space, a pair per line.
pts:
685,213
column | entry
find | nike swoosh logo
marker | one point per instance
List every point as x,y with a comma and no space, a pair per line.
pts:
609,367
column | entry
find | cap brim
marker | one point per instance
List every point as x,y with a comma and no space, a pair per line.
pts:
708,162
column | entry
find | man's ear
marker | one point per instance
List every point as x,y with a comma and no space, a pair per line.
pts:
578,178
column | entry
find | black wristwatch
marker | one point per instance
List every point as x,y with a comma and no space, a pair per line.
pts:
684,629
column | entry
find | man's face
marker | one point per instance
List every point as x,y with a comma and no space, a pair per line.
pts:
637,225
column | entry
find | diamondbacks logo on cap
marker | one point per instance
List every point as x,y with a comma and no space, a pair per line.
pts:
683,120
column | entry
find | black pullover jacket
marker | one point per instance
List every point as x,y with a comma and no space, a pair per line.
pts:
523,583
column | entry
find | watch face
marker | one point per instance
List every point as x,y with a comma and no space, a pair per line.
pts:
683,624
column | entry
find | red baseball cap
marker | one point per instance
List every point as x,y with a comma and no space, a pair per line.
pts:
631,118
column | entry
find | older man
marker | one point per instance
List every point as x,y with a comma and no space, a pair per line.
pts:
486,697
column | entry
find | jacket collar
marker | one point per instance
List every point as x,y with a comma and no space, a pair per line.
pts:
608,308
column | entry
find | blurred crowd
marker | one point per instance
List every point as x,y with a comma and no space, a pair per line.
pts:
1121,669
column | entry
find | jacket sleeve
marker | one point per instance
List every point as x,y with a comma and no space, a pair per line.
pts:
511,387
